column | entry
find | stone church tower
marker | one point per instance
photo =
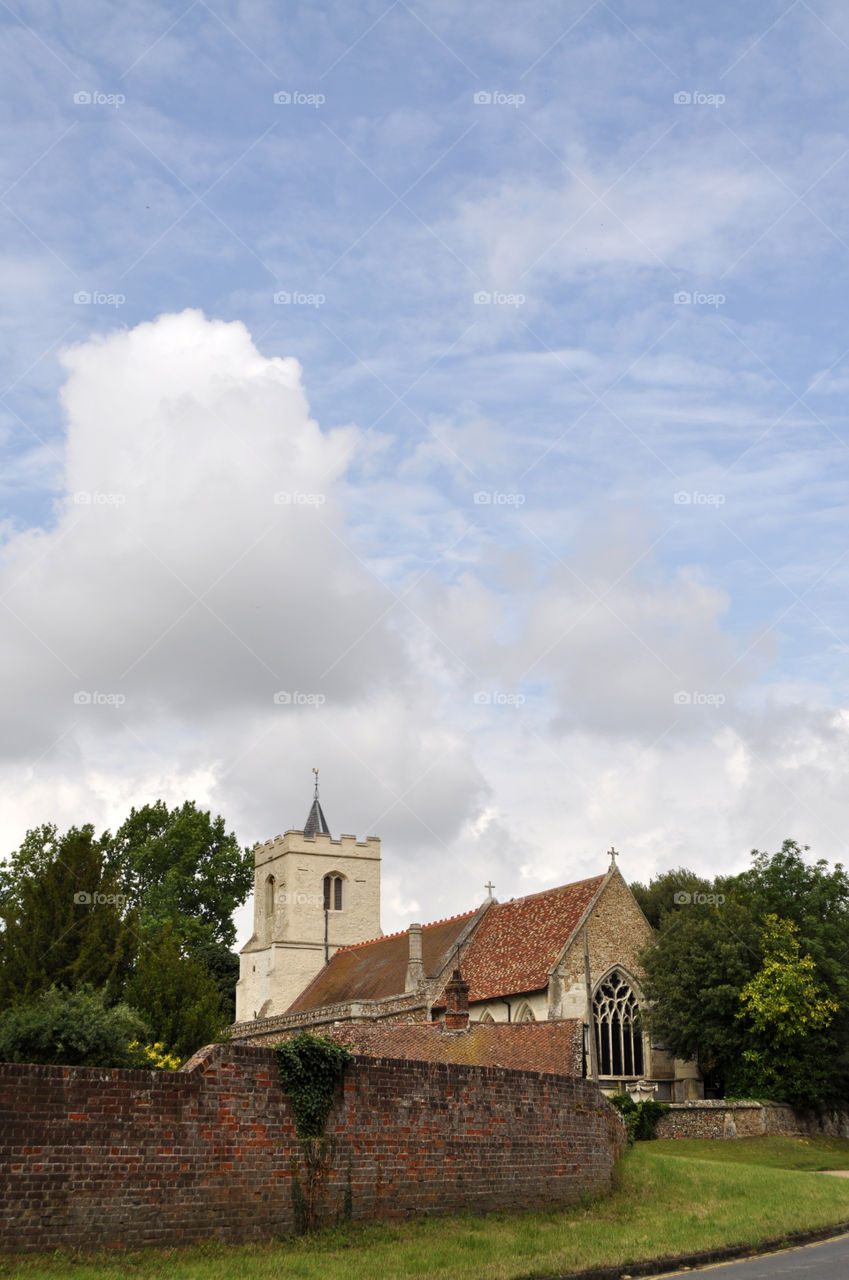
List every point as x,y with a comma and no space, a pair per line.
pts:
312,895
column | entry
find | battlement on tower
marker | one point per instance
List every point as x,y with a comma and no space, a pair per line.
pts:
293,841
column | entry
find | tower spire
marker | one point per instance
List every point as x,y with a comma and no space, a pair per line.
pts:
316,823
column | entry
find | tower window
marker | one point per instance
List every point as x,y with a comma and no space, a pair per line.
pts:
269,896
333,893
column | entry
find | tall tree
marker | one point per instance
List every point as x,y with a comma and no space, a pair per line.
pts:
177,997
184,869
64,920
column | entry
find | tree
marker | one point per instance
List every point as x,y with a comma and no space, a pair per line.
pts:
72,1028
661,894
699,960
176,995
716,944
786,1013
63,919
184,869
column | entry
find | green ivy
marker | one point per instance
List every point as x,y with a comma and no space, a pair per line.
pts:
310,1068
640,1117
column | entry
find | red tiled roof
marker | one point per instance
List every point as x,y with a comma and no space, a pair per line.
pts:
517,943
372,970
526,1046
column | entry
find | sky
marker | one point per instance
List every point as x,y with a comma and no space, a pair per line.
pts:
450,398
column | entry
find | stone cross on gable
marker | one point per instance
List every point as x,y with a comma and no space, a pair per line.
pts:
489,886
612,854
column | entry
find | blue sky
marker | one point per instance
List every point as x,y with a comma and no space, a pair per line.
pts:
585,261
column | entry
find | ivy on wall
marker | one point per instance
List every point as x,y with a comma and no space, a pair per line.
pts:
310,1068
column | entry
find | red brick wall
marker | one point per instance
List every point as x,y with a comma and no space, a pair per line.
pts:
92,1157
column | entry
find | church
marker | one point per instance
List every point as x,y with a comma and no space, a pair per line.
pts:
460,989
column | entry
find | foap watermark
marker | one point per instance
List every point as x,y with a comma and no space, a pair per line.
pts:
294,498
693,498
97,899
693,698
496,98
684,899
94,298
483,298
686,298
94,498
94,98
498,698
295,698
296,898
494,498
94,698
698,99
285,298
295,98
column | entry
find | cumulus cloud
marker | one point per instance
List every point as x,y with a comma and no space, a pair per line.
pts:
150,626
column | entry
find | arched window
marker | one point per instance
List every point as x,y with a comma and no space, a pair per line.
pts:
269,896
525,1013
619,1040
486,1016
333,893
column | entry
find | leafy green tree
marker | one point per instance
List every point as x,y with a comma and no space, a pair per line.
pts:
660,894
695,968
785,1013
722,941
63,919
175,994
183,869
71,1028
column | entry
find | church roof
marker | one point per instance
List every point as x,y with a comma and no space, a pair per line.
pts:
316,823
555,1046
517,943
372,970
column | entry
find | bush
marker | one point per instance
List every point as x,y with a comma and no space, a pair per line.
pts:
70,1028
640,1117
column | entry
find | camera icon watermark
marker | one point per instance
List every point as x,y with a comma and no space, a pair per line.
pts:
94,698
495,498
698,99
294,498
485,298
693,698
693,497
296,698
685,298
683,899
97,899
94,498
94,98
484,98
285,298
295,98
87,298
498,698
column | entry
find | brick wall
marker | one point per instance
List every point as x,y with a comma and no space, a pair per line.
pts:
721,1119
92,1157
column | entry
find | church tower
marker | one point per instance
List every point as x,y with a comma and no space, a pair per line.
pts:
312,895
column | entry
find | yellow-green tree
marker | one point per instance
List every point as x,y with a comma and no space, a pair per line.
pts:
786,1013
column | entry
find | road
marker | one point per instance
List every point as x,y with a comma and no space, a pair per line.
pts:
827,1260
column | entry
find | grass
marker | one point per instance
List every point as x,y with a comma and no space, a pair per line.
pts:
671,1198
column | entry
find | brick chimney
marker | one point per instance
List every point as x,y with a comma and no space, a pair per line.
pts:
456,1003
415,967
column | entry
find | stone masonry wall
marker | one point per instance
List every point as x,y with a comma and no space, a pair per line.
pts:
721,1119
93,1157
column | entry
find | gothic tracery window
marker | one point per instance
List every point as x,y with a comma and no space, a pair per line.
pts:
619,1040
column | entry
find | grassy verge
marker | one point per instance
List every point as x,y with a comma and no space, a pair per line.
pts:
667,1202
